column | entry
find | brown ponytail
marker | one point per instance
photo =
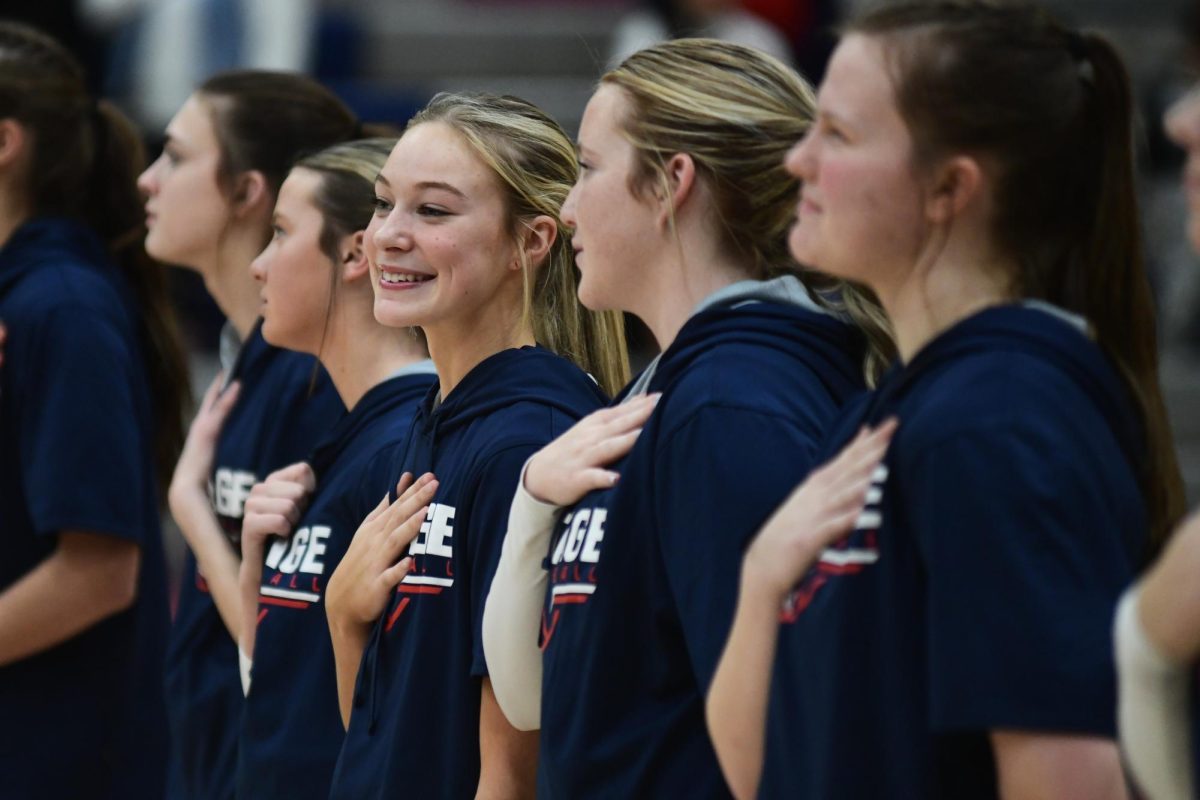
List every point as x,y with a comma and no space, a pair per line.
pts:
1050,108
85,162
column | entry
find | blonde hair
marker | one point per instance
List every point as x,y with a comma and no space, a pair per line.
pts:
736,112
535,163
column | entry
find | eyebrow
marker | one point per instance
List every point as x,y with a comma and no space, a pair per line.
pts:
443,186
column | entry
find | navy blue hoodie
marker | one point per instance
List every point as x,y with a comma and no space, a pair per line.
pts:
280,415
414,729
643,577
978,590
292,728
84,718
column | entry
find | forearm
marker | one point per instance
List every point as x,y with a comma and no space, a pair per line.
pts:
736,706
65,595
513,611
507,756
249,582
349,641
1036,766
215,556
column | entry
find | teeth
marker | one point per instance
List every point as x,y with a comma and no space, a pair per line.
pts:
396,277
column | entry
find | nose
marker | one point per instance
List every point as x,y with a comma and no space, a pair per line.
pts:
799,159
1182,120
258,267
147,182
567,215
392,233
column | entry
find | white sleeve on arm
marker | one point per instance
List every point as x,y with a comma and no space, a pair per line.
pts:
1152,713
513,611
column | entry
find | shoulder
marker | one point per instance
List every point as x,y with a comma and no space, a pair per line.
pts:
70,286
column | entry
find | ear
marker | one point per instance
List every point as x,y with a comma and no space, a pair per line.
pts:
250,194
536,237
353,258
955,185
678,187
13,140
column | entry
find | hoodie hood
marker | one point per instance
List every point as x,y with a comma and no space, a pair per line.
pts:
1035,329
755,312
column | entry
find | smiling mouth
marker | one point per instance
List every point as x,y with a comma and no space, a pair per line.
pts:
397,279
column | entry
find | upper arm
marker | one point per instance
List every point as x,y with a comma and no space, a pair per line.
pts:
106,566
507,756
718,477
1032,766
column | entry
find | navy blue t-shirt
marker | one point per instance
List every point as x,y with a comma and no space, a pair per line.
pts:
644,576
978,590
414,729
280,415
292,728
84,718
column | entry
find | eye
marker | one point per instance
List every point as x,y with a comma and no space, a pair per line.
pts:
171,156
426,210
277,231
584,166
381,206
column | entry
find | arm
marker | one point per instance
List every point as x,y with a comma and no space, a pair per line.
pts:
563,472
507,756
1032,766
87,578
822,510
1155,636
273,508
359,589
192,510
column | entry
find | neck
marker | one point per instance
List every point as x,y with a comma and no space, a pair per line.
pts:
13,214
958,283
229,280
458,346
680,286
359,353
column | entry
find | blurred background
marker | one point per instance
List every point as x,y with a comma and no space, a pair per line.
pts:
387,57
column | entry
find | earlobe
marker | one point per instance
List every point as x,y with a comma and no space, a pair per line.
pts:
250,193
354,258
956,186
673,192
537,238
12,141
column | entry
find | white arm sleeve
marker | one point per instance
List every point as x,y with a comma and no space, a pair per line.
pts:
513,611
245,662
1152,712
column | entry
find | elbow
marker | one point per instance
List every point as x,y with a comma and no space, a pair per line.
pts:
121,586
103,568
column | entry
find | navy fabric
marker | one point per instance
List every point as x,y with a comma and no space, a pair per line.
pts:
84,718
643,577
414,729
280,415
978,589
292,729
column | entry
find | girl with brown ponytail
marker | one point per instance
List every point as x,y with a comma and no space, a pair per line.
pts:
91,408
972,164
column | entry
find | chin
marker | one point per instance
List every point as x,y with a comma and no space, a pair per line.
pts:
389,314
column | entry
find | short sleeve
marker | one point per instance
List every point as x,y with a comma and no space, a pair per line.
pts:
83,452
718,477
1025,558
496,483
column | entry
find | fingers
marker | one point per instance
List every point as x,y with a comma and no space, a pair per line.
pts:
224,402
614,447
273,506
402,535
377,511
392,576
406,480
214,389
299,472
418,495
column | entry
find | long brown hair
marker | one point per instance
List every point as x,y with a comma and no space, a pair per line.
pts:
86,156
1050,108
534,161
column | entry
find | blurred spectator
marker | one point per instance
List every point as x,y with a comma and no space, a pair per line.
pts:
657,20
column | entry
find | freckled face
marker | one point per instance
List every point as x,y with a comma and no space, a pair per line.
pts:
860,210
185,208
614,234
438,246
295,274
